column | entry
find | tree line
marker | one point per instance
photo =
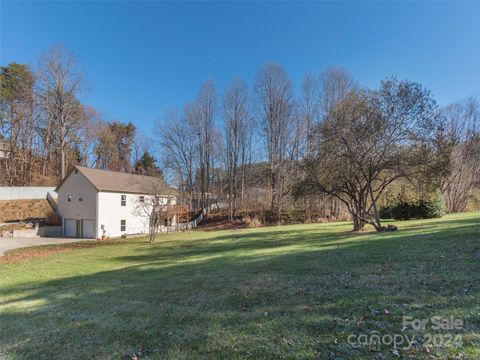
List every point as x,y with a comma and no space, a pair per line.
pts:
328,143
333,139
45,128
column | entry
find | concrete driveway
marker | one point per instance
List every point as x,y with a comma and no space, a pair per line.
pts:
10,243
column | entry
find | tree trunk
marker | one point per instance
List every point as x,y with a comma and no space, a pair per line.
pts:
234,192
230,197
62,153
358,224
376,217
153,227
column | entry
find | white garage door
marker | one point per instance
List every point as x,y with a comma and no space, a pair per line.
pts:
70,228
87,229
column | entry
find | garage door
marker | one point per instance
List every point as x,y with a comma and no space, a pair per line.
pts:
70,228
87,229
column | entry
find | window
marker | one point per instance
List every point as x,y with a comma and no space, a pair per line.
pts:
80,198
69,197
123,225
124,200
142,198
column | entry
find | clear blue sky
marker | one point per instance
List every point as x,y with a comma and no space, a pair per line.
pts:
142,58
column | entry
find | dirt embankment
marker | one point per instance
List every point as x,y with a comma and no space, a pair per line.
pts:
23,210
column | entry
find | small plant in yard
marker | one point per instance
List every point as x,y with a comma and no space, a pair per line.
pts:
252,221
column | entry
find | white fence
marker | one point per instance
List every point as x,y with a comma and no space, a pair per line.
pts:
183,226
26,192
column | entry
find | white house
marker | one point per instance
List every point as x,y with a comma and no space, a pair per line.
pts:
95,203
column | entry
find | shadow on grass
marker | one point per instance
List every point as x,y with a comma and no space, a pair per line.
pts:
314,239
288,293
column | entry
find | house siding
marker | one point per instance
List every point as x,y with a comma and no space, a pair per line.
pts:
76,185
102,207
111,212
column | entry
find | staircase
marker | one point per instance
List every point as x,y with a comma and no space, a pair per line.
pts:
53,203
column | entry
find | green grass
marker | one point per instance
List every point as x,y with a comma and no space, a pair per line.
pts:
282,292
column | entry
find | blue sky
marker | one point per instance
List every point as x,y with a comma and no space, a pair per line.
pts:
142,58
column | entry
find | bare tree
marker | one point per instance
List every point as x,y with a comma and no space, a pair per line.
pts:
114,146
19,117
155,204
104,150
237,115
246,157
202,121
372,138
318,98
274,95
87,135
61,82
177,145
334,85
309,112
463,127
141,144
309,109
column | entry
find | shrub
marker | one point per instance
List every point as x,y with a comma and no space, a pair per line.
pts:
427,208
252,221
293,216
402,211
385,213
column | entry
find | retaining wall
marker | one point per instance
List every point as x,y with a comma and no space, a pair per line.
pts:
43,231
25,192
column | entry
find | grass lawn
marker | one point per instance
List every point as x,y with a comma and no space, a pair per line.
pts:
281,292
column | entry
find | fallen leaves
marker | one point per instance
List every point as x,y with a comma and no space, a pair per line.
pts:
28,255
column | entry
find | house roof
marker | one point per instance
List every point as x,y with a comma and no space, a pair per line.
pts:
115,181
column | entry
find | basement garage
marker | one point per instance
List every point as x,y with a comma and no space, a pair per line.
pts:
88,231
84,228
70,228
